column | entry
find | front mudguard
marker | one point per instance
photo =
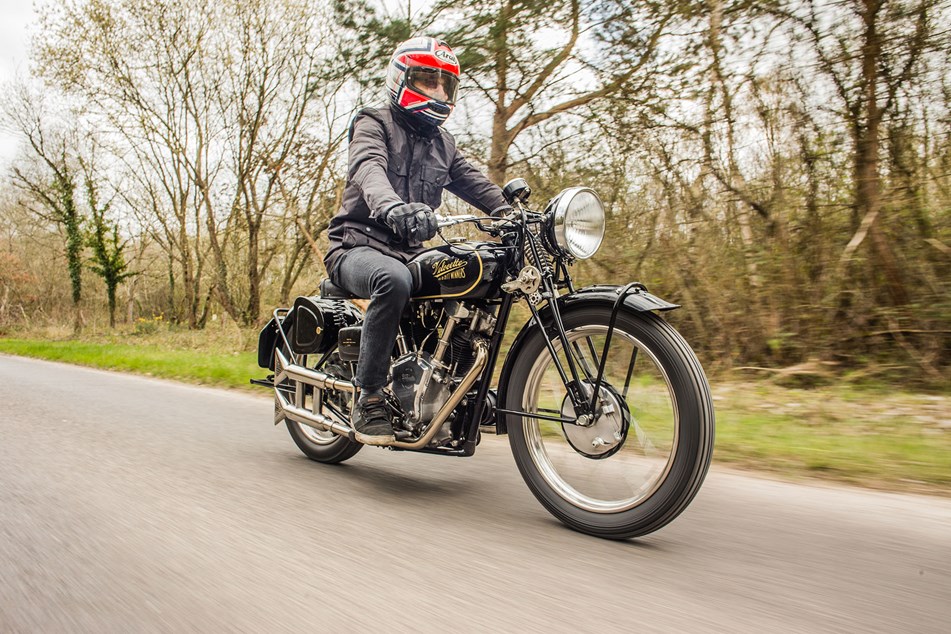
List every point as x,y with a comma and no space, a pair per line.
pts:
639,301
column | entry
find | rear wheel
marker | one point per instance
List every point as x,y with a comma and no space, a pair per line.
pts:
643,458
317,444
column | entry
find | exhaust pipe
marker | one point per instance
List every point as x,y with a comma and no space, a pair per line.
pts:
283,408
284,370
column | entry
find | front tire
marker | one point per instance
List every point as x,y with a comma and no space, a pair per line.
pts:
641,462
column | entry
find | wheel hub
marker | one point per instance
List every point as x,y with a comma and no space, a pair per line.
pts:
606,435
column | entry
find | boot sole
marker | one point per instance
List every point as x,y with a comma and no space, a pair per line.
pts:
374,440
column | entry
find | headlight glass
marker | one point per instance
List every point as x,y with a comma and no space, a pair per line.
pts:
578,222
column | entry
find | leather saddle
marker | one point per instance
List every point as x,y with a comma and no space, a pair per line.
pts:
329,290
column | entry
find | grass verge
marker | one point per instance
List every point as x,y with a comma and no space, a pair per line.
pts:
194,366
873,437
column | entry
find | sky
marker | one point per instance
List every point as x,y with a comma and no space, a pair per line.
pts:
16,22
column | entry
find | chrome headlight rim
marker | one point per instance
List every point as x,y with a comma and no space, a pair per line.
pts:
558,225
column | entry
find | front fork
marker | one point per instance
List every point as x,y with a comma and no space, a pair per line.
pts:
586,408
583,408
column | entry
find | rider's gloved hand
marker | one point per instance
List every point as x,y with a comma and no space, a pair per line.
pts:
413,222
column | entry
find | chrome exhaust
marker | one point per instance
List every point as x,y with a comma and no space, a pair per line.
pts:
283,408
284,370
305,417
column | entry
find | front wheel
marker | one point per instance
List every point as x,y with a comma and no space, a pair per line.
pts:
643,458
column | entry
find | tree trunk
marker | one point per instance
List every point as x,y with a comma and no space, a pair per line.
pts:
111,293
188,278
498,154
253,309
868,195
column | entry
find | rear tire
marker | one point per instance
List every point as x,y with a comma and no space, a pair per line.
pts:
319,445
602,480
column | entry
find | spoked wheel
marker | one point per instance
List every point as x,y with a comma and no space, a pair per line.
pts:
639,463
317,444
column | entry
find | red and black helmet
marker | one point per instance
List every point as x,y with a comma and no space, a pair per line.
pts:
423,78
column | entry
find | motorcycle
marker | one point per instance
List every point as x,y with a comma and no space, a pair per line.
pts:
607,410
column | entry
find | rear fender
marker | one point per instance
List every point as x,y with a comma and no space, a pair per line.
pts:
639,301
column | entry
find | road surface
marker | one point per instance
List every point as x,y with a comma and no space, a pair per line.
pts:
136,505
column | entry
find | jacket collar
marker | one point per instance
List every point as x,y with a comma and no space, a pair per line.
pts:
412,125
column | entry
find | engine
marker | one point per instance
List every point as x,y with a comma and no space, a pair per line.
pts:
424,379
420,387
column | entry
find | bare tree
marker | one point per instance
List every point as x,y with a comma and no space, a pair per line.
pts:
209,103
265,101
602,51
47,176
869,50
133,64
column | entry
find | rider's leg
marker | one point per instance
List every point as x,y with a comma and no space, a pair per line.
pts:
387,283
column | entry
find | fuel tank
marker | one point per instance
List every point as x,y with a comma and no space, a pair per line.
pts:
463,270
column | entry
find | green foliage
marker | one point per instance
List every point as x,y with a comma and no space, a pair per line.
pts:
108,252
363,42
63,190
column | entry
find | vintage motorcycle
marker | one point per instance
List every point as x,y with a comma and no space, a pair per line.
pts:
606,407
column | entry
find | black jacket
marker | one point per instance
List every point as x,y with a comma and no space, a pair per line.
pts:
390,163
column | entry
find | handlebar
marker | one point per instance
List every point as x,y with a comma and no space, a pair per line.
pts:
496,223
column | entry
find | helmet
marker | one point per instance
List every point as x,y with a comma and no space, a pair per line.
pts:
422,80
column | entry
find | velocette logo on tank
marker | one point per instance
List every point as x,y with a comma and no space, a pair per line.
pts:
450,269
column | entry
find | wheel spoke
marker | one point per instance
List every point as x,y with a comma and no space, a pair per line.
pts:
588,368
594,353
630,370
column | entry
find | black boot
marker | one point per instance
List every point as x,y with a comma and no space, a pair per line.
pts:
371,420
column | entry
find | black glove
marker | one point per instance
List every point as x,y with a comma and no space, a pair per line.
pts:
413,222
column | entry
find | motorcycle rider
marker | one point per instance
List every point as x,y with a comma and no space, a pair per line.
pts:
400,161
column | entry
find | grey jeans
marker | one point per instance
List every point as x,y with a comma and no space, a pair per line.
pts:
387,283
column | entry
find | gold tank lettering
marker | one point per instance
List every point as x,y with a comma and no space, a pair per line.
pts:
453,269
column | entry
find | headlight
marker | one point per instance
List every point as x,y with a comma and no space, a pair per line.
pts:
577,222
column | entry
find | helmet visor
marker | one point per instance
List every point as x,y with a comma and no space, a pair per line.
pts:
433,82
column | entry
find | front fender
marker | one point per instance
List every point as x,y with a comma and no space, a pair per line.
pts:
639,301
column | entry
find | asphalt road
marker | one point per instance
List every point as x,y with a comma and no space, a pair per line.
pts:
135,505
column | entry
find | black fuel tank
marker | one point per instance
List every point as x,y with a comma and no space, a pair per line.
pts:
466,269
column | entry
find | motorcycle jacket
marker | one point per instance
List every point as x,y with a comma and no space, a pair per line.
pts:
393,162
